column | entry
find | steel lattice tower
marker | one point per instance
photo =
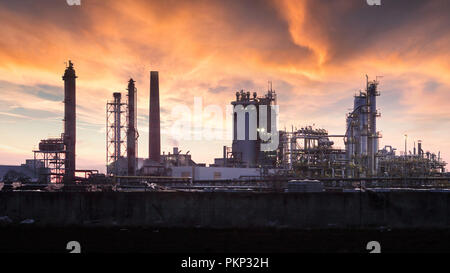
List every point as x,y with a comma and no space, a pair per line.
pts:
115,133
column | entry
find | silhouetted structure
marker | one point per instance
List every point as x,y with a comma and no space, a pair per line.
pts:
69,123
154,130
132,132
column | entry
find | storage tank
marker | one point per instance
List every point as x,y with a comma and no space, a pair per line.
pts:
51,145
360,133
245,144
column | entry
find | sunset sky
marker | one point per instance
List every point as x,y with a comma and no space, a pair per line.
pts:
316,53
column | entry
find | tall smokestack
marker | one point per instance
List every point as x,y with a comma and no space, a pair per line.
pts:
131,131
154,144
69,123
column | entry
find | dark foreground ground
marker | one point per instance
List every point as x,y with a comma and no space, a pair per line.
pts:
32,239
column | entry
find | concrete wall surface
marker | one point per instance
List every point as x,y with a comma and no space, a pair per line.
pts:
209,173
229,209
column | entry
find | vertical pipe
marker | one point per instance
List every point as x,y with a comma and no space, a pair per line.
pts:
117,127
131,132
406,151
292,141
372,144
117,131
154,130
107,139
419,148
373,128
69,123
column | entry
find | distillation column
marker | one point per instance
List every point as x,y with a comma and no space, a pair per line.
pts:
69,123
131,131
361,133
372,141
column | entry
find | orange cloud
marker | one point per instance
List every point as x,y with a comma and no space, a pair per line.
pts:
316,53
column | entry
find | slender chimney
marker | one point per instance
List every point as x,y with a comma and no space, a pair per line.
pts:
419,148
154,144
69,123
131,131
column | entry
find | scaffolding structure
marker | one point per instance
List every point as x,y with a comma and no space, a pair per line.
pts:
52,154
116,144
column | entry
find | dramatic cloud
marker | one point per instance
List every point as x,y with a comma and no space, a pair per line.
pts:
316,53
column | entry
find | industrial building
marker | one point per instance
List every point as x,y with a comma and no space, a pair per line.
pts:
56,157
301,153
305,153
23,172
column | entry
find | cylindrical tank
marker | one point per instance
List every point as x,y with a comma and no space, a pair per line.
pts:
360,135
372,127
247,148
359,102
51,146
248,130
349,145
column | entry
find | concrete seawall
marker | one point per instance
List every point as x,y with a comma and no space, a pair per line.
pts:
230,210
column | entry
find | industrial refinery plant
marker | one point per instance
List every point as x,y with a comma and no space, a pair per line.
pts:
215,133
302,159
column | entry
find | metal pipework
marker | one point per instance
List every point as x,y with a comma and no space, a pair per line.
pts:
69,123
